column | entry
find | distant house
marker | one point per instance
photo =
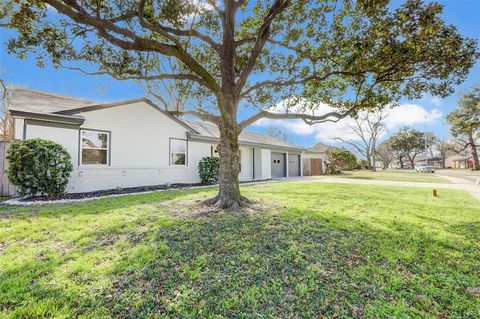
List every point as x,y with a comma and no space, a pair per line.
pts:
459,161
134,143
315,160
435,161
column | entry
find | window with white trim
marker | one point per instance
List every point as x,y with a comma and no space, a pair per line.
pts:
178,152
94,148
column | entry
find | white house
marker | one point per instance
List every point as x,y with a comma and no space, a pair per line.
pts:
134,143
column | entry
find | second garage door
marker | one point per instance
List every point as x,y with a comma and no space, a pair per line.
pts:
293,165
278,165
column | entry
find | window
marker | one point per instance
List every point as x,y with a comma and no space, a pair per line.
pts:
94,148
178,152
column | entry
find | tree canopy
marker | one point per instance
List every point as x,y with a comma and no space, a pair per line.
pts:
408,142
465,120
348,54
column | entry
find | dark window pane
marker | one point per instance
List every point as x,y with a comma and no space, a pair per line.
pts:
94,157
178,159
94,139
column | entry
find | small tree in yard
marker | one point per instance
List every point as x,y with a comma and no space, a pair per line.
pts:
39,166
232,55
342,159
208,168
465,123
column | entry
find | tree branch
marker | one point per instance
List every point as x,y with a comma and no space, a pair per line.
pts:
307,118
262,35
295,81
137,43
179,76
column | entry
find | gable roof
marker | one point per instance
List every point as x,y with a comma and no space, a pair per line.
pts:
320,148
207,130
28,100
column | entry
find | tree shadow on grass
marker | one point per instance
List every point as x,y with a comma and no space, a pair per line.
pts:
285,266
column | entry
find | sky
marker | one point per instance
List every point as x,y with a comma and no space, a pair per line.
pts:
461,13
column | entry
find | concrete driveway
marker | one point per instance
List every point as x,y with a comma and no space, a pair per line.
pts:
459,176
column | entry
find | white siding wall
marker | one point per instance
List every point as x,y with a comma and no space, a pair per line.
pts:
140,134
140,143
62,134
18,129
247,166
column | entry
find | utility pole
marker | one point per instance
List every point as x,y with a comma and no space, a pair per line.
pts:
425,138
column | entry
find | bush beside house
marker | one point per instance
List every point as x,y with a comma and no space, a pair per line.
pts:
208,168
38,166
341,159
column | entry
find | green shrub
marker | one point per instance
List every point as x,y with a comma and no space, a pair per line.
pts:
38,166
208,168
342,159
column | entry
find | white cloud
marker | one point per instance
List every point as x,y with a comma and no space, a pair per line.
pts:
410,114
405,114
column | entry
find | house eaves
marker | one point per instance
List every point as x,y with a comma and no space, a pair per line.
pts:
48,117
198,137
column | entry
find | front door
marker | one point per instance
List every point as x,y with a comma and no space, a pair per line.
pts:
316,166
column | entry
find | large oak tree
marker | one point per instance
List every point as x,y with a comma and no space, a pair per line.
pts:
232,55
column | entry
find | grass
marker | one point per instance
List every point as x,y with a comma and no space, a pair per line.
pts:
312,251
394,175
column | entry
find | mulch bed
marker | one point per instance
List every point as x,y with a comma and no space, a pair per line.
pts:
118,191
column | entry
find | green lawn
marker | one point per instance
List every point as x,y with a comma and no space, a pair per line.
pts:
311,251
394,175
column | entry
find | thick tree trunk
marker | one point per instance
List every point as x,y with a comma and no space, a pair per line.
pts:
228,196
473,146
411,159
401,162
373,155
444,159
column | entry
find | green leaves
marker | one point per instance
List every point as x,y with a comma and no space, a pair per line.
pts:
465,120
208,168
342,159
39,166
351,55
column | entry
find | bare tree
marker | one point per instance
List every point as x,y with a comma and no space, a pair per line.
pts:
445,147
6,121
385,154
278,134
366,129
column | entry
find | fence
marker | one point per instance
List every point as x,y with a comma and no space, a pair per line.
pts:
6,188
